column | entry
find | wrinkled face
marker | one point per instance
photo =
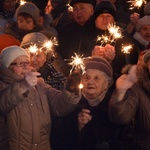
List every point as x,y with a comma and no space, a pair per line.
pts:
103,20
145,32
9,5
37,61
94,83
26,24
82,12
20,65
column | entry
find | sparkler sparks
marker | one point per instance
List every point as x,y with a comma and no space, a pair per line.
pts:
115,33
126,49
77,62
136,3
22,2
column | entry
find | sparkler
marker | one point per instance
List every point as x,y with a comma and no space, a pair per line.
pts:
22,2
77,63
126,50
136,3
115,33
70,8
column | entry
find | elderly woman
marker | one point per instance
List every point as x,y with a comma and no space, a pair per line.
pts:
28,103
88,127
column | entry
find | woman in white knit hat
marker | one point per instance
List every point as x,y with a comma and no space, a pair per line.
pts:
27,103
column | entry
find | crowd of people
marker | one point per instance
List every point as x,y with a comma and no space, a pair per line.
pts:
42,103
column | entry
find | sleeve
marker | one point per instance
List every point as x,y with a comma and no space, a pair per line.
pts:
122,112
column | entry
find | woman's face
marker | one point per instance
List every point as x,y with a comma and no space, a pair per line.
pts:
26,24
103,20
94,83
20,65
145,32
37,61
9,5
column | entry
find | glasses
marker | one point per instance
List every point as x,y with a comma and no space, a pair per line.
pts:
21,64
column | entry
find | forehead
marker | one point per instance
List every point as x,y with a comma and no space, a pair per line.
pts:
145,26
93,72
105,14
81,5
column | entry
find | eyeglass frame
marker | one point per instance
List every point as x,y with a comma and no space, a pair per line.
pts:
21,64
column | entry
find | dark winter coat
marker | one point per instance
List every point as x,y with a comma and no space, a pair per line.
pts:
135,106
28,115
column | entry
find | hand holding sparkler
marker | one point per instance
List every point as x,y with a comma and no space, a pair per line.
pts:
107,52
134,18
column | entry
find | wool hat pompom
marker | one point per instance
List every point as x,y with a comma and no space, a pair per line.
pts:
147,9
99,63
143,21
92,2
9,54
33,38
8,40
146,56
105,6
29,8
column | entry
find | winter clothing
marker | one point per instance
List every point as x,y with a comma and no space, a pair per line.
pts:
33,115
134,106
105,6
98,63
30,9
10,53
146,56
33,38
12,29
143,21
92,2
7,40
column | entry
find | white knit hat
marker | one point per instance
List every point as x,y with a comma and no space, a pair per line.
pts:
30,9
9,54
143,21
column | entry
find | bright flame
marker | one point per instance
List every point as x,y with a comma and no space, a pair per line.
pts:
70,8
136,3
80,86
77,62
126,49
115,33
22,2
33,49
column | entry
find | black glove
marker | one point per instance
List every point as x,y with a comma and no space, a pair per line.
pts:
73,83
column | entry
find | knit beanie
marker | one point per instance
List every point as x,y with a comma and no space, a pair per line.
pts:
146,56
147,9
29,8
9,54
105,6
143,21
8,40
33,38
92,2
99,63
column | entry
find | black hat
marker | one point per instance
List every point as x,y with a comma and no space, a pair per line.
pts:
93,2
105,6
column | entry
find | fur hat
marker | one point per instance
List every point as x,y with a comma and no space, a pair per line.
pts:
146,56
33,38
147,9
9,54
143,21
8,40
99,63
92,2
30,9
105,6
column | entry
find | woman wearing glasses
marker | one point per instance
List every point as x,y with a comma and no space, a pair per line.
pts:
28,103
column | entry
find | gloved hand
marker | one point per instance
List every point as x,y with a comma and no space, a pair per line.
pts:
30,80
73,83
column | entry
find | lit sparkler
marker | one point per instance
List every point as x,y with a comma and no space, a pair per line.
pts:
70,8
22,2
115,33
77,62
136,3
33,49
126,49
